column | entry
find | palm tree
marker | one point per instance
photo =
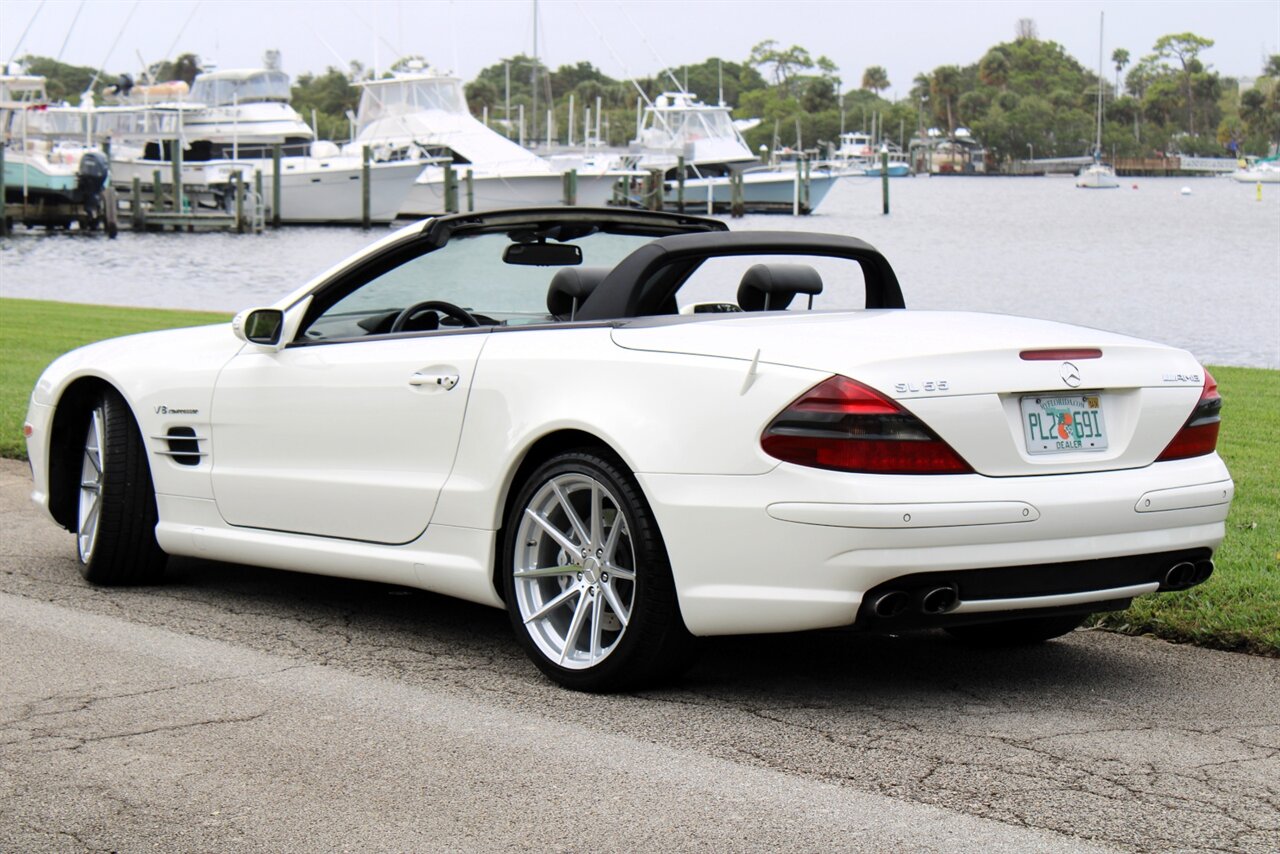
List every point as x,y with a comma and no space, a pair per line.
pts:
1120,57
944,86
875,79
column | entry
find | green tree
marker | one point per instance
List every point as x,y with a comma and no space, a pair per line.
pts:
1185,48
1120,58
993,70
784,64
64,82
875,79
944,89
331,95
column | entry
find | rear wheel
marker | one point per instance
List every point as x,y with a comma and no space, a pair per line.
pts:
116,513
588,586
1022,632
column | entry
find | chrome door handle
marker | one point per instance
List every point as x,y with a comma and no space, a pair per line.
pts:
445,381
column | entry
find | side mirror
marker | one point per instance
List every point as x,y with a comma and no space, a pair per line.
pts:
259,326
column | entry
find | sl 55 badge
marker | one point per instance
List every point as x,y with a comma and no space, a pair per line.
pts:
924,385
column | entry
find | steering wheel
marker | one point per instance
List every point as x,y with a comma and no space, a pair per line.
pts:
458,313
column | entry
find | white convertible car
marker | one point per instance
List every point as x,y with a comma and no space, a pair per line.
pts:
629,429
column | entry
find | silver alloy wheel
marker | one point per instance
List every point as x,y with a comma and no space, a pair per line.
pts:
91,485
574,568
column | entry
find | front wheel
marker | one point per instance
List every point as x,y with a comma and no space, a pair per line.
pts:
1023,632
116,513
587,581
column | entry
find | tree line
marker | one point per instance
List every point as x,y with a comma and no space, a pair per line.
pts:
1023,98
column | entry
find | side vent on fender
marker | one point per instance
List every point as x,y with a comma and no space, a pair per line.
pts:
182,445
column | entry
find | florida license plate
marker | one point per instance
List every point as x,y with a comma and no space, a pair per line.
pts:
1062,423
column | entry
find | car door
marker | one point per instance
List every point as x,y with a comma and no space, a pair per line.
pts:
350,429
351,440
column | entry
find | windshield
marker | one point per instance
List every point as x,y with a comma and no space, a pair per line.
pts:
403,97
258,86
682,127
468,272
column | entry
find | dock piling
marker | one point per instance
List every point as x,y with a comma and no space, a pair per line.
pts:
471,191
4,213
737,202
884,178
238,179
135,204
366,155
680,184
569,181
275,186
450,190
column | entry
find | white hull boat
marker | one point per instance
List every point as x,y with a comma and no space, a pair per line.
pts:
312,189
1262,172
423,116
766,188
1097,176
497,191
676,125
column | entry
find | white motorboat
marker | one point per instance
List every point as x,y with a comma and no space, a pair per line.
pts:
1265,171
1098,175
677,125
422,116
856,155
230,126
53,174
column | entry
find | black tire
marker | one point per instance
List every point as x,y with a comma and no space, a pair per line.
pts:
1024,632
651,643
116,508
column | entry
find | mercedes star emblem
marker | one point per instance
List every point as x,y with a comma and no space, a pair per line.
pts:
1070,374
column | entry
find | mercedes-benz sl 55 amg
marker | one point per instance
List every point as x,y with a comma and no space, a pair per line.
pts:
631,429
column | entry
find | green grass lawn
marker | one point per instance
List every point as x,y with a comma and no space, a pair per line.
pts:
1238,608
34,333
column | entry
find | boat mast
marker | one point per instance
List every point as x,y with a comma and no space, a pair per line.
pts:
1097,146
533,75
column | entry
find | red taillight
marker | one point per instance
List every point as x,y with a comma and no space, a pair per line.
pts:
843,425
1199,436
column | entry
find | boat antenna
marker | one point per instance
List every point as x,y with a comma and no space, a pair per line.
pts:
719,81
609,46
17,47
667,69
70,30
98,74
168,53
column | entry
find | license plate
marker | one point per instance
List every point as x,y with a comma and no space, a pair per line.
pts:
1062,423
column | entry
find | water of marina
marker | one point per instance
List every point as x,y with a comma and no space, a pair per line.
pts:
1200,271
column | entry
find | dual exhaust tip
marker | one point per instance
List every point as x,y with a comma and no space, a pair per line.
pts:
929,601
932,601
1186,574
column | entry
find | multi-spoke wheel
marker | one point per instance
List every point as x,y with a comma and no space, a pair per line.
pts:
587,581
91,485
116,514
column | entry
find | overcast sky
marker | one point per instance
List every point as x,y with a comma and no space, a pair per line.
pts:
628,38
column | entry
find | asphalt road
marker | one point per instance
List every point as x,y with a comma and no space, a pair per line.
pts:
249,710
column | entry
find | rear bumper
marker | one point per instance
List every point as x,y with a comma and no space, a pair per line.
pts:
800,548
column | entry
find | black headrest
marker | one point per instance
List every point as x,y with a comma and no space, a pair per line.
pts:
571,286
770,287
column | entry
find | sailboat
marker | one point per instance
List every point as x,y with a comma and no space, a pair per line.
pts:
1098,175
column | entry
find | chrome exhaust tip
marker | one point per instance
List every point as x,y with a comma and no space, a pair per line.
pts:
1204,569
1180,576
890,604
940,600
